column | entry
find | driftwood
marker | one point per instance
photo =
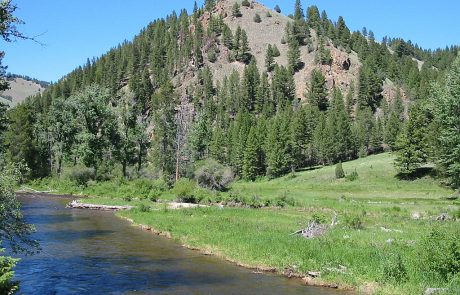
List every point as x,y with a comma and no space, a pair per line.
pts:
25,189
77,205
315,229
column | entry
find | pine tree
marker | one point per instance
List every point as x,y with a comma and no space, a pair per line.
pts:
294,55
236,12
317,94
244,54
269,59
277,8
449,117
227,37
251,156
392,130
411,145
339,173
313,18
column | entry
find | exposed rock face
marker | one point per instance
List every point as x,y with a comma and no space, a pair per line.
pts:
342,73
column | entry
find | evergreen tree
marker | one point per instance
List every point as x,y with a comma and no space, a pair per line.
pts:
164,142
277,8
393,127
317,94
227,37
411,144
269,59
339,173
200,137
278,146
313,18
251,156
294,55
236,12
449,117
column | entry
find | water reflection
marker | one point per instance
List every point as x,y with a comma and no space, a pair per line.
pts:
88,252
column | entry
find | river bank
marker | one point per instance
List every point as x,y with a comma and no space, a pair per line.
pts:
390,236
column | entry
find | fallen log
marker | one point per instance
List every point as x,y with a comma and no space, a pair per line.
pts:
25,189
78,205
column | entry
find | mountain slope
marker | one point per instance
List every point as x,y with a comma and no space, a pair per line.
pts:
20,89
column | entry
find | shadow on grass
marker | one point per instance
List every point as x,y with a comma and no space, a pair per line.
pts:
419,173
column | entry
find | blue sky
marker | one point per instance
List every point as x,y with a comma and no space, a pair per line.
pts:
75,30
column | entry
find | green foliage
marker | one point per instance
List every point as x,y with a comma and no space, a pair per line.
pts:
412,146
277,8
354,220
184,190
7,285
257,18
212,175
439,253
143,208
317,94
245,3
393,269
236,11
353,176
14,230
448,114
339,173
81,175
294,55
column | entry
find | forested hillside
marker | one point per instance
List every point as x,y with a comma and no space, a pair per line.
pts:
257,91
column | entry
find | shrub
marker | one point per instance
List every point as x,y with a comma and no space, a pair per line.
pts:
246,3
352,176
339,174
127,198
144,208
439,253
212,175
354,220
318,218
257,18
268,14
212,56
277,8
81,175
236,12
256,202
393,269
184,189
283,40
275,51
285,201
7,285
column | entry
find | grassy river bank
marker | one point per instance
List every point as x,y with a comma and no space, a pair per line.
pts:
386,240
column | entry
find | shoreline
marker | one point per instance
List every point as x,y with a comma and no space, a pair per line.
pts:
308,280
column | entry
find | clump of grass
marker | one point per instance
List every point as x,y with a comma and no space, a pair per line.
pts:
393,269
144,208
354,220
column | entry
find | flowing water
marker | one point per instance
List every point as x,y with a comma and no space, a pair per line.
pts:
92,252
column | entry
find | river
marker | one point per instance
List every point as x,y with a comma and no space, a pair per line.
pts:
93,252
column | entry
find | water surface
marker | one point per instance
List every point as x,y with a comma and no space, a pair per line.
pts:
92,252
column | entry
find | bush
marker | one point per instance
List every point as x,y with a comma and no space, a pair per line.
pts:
81,175
212,56
393,269
439,253
144,208
285,201
277,8
257,18
236,12
352,176
268,14
339,174
354,220
245,3
318,218
184,189
283,40
275,51
7,285
127,198
212,175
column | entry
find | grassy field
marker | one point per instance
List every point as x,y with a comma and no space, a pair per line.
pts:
387,240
